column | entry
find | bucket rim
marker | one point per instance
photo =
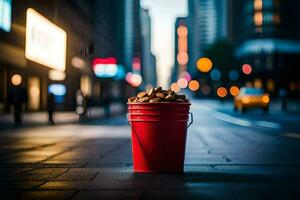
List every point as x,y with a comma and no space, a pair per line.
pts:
158,103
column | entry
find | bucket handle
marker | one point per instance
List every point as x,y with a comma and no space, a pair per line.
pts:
192,120
134,131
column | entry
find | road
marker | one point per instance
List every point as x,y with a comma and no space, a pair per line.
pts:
228,156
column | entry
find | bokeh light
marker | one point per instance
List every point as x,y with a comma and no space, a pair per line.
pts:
258,83
292,86
234,90
134,80
194,85
182,31
222,92
215,74
185,75
270,85
258,18
175,87
247,69
182,44
206,89
182,83
258,4
16,79
182,58
204,64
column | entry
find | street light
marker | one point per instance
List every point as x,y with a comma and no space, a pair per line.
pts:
204,64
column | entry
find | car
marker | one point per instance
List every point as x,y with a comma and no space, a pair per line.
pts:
251,98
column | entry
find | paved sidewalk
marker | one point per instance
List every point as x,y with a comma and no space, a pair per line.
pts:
93,161
60,117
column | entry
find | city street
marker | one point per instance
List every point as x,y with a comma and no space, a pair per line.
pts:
228,156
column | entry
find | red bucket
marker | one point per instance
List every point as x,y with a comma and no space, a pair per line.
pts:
158,133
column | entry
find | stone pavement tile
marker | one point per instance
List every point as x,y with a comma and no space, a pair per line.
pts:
211,193
12,173
78,174
43,194
63,163
124,179
108,194
25,159
205,161
38,152
43,165
40,174
18,146
20,185
99,164
110,184
263,173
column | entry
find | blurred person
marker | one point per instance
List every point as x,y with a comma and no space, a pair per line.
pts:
106,103
80,104
50,107
17,97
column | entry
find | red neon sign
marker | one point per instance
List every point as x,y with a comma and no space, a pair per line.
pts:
109,60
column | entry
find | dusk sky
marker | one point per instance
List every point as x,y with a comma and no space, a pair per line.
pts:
163,15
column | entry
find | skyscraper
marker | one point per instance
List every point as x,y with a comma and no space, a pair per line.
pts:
207,22
148,63
269,40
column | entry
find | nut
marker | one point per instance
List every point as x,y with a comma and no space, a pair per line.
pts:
150,91
158,89
132,99
144,99
170,98
155,100
141,94
181,96
180,100
153,95
160,95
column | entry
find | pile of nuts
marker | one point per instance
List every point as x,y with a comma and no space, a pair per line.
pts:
155,95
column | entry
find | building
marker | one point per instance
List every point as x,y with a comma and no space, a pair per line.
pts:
268,39
148,59
61,60
44,61
207,22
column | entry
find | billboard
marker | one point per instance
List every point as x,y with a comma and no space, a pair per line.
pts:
45,42
5,15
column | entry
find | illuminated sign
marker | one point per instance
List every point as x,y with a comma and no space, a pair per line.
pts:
56,75
5,15
105,67
57,89
45,42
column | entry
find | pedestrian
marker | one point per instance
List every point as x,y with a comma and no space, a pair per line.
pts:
106,104
17,97
50,107
80,104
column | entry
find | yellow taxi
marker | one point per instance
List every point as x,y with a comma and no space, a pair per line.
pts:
251,98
